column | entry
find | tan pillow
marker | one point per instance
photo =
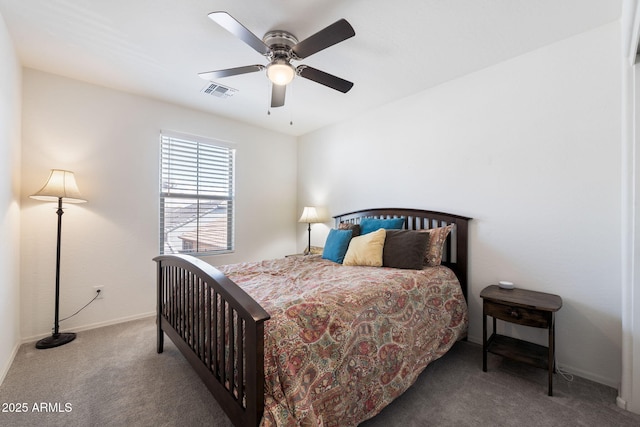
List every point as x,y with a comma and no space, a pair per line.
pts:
366,249
437,237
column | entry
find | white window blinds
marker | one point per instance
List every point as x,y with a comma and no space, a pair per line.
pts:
196,195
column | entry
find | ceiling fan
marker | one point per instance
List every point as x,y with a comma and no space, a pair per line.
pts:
282,47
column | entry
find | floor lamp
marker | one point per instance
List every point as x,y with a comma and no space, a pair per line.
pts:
60,186
310,216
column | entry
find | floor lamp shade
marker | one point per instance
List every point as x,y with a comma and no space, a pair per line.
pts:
310,216
61,186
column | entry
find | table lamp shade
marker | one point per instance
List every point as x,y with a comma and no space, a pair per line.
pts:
309,215
61,184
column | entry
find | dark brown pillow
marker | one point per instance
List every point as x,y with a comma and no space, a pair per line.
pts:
355,228
405,249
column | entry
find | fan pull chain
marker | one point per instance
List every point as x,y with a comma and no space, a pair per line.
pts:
268,91
290,103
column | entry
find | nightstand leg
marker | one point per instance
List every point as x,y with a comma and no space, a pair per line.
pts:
484,342
552,344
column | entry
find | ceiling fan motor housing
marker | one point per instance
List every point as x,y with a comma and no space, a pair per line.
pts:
280,43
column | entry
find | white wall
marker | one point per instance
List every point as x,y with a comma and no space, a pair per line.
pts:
10,88
110,140
530,148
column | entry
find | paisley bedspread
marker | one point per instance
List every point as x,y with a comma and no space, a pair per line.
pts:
344,341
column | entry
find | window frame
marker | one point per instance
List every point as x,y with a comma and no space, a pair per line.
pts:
164,196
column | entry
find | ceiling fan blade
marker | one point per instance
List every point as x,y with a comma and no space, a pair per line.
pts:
211,75
230,24
323,78
334,33
277,95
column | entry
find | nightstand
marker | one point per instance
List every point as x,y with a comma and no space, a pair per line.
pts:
315,250
522,307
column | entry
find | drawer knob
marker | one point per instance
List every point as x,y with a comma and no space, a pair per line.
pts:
515,314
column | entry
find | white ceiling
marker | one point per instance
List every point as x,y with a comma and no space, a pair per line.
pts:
157,48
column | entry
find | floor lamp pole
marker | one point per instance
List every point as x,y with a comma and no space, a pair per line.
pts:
309,245
57,339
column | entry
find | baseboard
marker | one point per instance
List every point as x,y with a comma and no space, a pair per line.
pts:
621,402
95,325
474,339
5,368
589,376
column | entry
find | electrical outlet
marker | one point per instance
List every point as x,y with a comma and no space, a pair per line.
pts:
99,289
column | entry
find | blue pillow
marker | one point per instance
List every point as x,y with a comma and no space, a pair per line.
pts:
336,245
367,225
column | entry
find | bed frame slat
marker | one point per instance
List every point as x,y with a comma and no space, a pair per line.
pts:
216,339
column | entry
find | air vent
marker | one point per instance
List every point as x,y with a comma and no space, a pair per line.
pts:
219,91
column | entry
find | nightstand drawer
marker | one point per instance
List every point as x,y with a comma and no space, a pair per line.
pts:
516,314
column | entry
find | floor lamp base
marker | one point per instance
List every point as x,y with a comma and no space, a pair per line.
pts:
56,340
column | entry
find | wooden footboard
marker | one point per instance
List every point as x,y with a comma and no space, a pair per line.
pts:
219,329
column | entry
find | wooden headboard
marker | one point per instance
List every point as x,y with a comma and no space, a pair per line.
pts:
456,250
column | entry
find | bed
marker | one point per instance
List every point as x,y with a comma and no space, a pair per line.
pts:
306,341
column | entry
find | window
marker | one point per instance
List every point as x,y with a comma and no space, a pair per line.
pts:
196,195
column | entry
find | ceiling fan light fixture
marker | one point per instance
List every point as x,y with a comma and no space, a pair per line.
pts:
280,72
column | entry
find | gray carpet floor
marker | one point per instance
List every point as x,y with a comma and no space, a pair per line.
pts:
113,376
